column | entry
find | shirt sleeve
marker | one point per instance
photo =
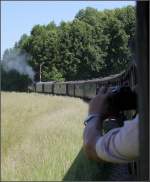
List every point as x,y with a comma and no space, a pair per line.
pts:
120,145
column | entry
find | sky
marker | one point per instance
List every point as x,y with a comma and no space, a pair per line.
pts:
18,17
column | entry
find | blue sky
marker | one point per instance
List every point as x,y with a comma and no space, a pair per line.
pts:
18,17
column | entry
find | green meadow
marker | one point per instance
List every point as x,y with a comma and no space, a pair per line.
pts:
41,139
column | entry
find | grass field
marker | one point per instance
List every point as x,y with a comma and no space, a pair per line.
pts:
41,139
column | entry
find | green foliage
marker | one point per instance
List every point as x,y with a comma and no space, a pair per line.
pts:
95,44
13,81
53,75
90,16
14,75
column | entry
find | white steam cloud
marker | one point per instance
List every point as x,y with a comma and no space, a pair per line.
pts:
18,62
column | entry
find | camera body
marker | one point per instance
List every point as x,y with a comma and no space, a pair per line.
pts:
122,98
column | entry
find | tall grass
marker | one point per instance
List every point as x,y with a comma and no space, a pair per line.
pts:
41,138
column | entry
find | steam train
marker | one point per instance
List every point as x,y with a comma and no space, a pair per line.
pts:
87,89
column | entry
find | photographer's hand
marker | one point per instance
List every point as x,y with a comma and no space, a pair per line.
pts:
99,104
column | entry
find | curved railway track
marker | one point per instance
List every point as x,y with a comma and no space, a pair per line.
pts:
87,89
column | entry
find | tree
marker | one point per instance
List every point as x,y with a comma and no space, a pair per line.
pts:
89,15
95,44
42,45
13,81
127,16
15,73
116,47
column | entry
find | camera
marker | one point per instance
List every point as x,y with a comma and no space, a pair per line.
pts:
122,98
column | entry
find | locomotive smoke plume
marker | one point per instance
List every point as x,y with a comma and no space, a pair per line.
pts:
19,62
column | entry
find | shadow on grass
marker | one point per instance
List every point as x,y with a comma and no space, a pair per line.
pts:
83,169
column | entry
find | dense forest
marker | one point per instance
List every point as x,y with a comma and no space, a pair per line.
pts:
95,44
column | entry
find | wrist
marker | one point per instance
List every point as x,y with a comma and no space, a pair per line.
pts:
94,121
91,117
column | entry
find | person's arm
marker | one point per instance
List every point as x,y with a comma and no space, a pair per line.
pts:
119,145
90,137
93,130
